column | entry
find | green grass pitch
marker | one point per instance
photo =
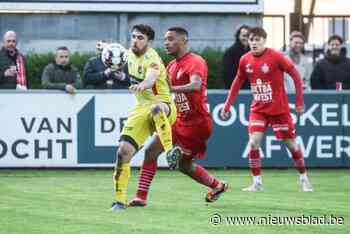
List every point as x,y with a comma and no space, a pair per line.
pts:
78,201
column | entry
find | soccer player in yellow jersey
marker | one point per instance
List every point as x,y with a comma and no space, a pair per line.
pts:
154,112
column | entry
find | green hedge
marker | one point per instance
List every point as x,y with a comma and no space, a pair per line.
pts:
37,62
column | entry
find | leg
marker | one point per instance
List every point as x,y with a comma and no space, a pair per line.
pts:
258,123
159,113
148,171
299,163
297,155
136,130
199,174
122,173
284,129
255,139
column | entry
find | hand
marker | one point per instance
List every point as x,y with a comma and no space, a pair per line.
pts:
224,115
108,71
300,110
12,71
137,87
119,75
70,89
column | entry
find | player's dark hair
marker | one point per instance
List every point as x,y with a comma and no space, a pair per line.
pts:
238,32
179,30
144,29
62,48
335,37
258,31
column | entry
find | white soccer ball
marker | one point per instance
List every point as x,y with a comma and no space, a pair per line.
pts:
114,56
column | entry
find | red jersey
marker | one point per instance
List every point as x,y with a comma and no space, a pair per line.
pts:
191,106
266,76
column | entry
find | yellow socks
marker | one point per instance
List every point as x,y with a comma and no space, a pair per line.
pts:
121,178
164,130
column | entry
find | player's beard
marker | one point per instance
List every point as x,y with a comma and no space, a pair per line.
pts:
139,51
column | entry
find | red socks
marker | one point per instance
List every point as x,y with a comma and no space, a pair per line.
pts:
203,177
255,162
148,170
299,161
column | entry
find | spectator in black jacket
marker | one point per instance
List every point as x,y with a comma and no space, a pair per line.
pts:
98,76
13,69
99,46
334,68
61,74
233,54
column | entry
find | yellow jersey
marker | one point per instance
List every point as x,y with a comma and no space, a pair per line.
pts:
138,68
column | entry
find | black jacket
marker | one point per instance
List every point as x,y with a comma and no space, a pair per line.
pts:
57,77
94,77
231,61
330,70
6,61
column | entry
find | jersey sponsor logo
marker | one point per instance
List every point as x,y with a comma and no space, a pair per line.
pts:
181,102
265,68
262,91
248,69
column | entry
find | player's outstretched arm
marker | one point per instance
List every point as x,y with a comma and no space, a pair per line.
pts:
194,85
235,87
151,78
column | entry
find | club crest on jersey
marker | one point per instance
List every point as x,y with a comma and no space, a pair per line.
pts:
248,69
265,68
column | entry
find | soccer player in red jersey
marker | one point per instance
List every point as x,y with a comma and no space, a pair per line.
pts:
264,68
187,75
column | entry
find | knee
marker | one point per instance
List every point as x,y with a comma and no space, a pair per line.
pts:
123,153
185,166
292,146
151,154
254,144
155,109
148,152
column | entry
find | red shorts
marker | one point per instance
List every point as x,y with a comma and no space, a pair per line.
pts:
192,139
282,125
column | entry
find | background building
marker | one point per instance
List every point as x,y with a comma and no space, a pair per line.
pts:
318,19
43,25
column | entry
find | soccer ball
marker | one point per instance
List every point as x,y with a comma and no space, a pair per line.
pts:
114,56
